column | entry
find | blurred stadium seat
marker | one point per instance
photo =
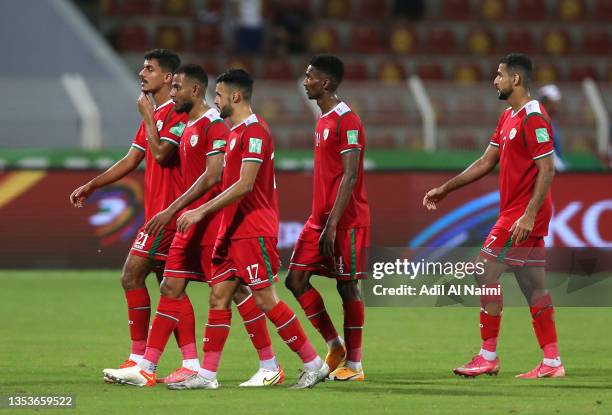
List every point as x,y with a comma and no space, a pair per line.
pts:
403,40
546,73
579,72
391,72
431,71
373,9
207,37
493,9
440,40
457,9
570,10
467,73
481,42
355,71
130,8
366,39
336,9
323,39
531,10
133,37
596,42
603,10
170,37
556,42
278,69
517,39
176,8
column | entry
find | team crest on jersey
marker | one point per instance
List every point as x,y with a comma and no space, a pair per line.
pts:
512,133
159,125
232,144
194,140
325,134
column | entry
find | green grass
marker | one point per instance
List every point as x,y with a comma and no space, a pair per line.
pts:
60,328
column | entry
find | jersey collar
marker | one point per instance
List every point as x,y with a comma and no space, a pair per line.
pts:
210,114
512,113
332,110
248,120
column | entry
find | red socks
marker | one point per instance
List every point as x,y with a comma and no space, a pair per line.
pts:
542,312
290,329
139,313
489,325
215,335
313,306
354,316
185,330
256,327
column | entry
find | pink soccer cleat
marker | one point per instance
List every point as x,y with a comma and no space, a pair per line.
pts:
177,376
543,371
478,366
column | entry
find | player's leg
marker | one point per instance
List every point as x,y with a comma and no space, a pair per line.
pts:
532,281
269,373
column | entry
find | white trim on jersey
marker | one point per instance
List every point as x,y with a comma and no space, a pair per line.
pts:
531,106
248,120
169,140
163,105
543,155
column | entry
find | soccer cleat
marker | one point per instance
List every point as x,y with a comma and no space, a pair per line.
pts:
196,381
178,375
265,377
543,371
126,363
478,366
336,357
345,373
132,375
308,379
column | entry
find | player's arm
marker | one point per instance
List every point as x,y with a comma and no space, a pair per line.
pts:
475,171
208,179
162,150
243,186
350,166
118,170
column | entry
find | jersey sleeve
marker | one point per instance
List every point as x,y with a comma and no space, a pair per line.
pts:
350,133
216,138
256,143
495,136
538,136
172,131
140,139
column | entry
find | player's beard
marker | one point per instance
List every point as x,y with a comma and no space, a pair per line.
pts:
184,107
225,111
503,95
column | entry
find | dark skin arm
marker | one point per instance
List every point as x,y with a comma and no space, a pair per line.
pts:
162,150
243,186
350,166
208,179
524,225
117,171
480,168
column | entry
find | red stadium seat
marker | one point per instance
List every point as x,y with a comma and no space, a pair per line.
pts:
133,38
355,71
596,42
467,73
207,37
366,39
176,8
323,39
391,72
130,8
440,41
556,42
214,6
403,40
240,63
570,10
211,68
579,72
373,9
493,9
481,42
603,10
431,71
456,10
546,74
170,37
278,70
531,10
517,39
336,9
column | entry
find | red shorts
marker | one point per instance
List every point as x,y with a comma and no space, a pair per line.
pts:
154,248
350,248
500,248
253,260
187,258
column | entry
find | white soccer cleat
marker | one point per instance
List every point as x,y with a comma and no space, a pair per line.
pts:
196,381
132,375
308,379
265,377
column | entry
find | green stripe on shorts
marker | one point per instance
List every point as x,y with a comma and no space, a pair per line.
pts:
266,258
353,255
502,254
156,243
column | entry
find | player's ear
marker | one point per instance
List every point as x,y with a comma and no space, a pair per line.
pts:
168,77
236,96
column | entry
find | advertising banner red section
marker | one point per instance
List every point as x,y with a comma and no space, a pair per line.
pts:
41,229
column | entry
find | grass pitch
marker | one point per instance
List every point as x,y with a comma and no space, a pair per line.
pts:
61,328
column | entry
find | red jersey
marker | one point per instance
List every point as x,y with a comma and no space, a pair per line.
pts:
338,132
203,137
522,137
162,184
256,214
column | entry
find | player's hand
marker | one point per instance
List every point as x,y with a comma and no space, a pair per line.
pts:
80,194
189,218
145,106
327,240
521,229
158,222
431,199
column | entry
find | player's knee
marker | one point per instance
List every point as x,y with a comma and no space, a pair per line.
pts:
295,283
263,303
349,290
170,290
219,302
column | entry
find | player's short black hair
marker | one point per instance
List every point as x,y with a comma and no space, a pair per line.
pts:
195,73
521,64
168,60
240,79
331,66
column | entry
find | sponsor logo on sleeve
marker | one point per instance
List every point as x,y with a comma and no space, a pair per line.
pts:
255,145
542,135
217,144
352,136
178,129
